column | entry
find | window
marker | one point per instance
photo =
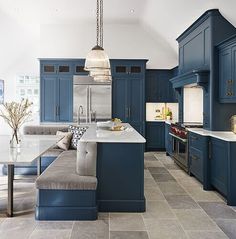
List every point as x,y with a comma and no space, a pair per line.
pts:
27,87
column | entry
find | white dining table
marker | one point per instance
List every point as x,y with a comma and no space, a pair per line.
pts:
31,148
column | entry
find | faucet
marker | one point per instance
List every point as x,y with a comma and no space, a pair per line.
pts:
80,112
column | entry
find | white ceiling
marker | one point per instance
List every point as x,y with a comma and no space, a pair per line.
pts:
163,19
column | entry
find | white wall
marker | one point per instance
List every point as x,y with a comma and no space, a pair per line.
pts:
19,47
120,41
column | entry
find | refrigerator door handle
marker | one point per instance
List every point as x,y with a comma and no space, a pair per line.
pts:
88,109
89,104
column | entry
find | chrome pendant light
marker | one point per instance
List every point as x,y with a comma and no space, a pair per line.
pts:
97,61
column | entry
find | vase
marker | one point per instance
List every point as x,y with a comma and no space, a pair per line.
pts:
15,139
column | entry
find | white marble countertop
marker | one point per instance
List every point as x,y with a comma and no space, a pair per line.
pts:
130,135
32,146
223,135
163,120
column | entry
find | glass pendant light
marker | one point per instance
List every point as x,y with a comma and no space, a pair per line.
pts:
97,61
101,76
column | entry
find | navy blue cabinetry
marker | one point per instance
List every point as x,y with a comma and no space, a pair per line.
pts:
199,158
158,86
48,98
155,136
168,140
227,72
199,65
56,86
128,94
223,166
219,165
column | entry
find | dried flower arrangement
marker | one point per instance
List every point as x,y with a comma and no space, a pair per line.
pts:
16,114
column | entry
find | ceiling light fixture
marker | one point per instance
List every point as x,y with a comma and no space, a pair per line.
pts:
97,61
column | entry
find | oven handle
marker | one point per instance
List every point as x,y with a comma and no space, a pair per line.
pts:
183,140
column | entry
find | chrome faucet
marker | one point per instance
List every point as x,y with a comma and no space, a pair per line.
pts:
79,113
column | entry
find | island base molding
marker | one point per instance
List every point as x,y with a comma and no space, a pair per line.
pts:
122,205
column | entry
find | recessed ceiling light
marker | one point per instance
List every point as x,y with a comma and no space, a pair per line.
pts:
132,10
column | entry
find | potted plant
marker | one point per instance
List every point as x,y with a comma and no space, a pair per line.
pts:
169,115
15,115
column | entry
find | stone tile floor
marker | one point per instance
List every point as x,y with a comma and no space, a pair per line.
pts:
177,207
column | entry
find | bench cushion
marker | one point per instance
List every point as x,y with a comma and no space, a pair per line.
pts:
43,129
61,174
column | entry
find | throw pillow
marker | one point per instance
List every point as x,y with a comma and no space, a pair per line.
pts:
65,142
77,132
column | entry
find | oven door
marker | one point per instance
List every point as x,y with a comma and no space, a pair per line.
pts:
180,151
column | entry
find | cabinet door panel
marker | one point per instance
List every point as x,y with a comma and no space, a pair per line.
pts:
155,135
233,80
136,104
219,162
65,99
48,99
225,74
119,96
196,163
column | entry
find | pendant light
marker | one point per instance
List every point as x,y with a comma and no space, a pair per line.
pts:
97,61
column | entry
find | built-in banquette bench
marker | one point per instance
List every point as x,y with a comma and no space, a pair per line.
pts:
62,194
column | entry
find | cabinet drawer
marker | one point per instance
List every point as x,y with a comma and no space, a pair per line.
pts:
196,163
196,141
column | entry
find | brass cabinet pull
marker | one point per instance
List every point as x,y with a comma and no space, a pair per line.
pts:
193,137
194,157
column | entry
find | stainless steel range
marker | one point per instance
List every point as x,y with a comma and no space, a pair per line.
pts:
179,134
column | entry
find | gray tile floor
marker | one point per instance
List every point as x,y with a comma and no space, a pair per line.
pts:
177,207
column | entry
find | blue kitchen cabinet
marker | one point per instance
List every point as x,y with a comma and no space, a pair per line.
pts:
227,71
78,67
65,99
158,87
168,140
48,98
128,68
155,136
128,95
120,99
56,99
199,166
56,90
219,165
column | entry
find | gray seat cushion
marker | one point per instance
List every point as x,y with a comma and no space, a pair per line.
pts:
61,175
52,152
43,129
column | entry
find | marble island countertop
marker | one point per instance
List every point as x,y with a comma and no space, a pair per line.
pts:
129,135
223,135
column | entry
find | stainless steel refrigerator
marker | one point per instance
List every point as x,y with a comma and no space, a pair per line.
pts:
91,100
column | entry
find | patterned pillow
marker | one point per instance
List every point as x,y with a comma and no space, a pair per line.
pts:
77,132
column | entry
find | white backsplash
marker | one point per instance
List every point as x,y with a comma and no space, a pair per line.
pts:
152,107
193,105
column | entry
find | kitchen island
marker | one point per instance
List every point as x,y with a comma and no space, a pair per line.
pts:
120,169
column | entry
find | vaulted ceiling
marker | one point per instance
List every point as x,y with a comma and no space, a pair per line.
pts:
164,19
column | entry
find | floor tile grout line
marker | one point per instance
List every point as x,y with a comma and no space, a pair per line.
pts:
72,229
200,208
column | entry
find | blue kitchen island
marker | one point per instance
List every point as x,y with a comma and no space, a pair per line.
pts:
120,169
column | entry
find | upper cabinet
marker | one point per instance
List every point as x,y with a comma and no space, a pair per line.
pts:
56,90
158,86
128,94
78,67
196,44
127,68
227,71
53,68
194,50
